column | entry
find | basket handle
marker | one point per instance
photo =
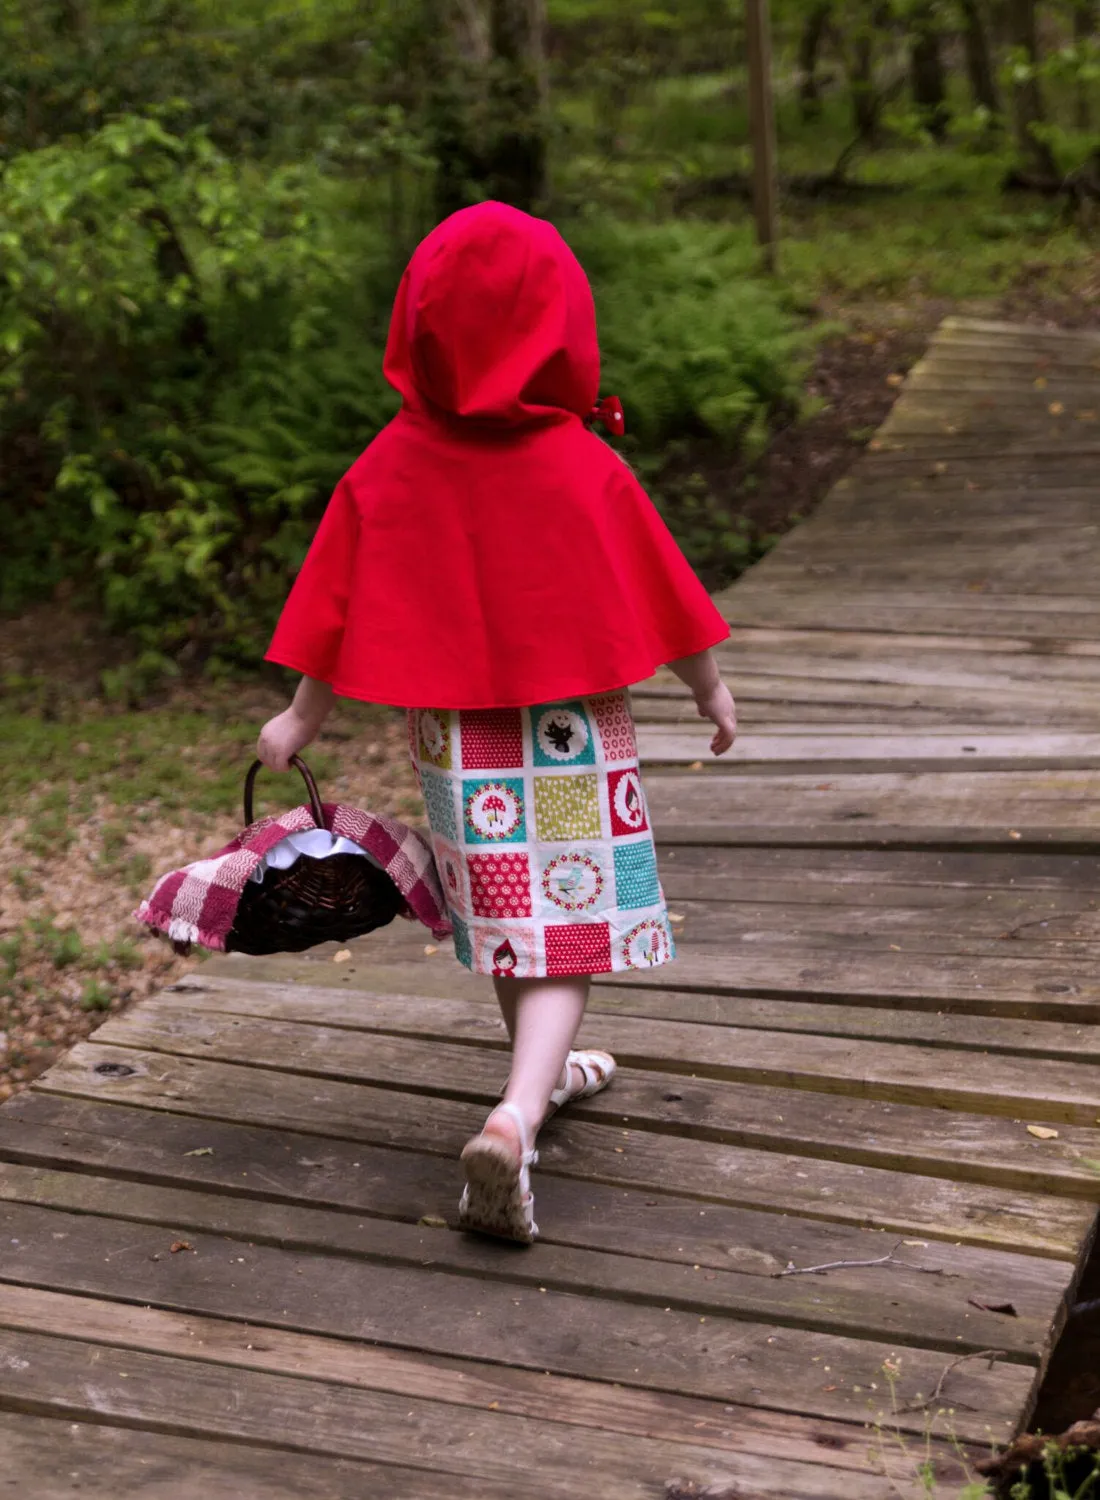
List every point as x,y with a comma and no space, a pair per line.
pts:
307,776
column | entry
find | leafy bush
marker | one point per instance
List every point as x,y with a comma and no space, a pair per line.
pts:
697,345
191,365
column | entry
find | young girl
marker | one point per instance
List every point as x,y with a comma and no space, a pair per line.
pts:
491,566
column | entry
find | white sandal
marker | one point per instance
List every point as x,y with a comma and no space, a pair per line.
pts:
597,1069
497,1198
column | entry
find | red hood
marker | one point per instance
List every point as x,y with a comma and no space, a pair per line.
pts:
494,321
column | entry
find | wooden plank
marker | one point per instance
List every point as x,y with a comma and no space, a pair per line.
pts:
433,1311
994,801
195,1398
968,931
283,1167
436,1013
1062,1092
711,1170
56,1458
826,640
877,1302
579,1403
851,754
947,873
1028,989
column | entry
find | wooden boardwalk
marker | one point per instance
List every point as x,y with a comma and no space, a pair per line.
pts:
226,1266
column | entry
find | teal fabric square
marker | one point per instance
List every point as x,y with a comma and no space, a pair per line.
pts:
464,948
439,799
636,882
561,735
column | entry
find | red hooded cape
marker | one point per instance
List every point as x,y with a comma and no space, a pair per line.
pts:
487,550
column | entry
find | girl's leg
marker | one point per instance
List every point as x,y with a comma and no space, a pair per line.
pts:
543,1017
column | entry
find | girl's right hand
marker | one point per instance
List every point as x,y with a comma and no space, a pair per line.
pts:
282,737
717,705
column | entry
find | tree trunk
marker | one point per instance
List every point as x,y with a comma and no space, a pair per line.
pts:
979,63
809,49
1085,19
862,84
517,149
1027,96
926,73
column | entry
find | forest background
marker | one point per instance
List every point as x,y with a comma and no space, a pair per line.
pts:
205,206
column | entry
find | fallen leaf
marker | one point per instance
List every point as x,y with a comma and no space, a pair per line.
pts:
676,916
1040,382
1056,408
1086,416
828,1387
696,765
1042,1132
493,1406
178,1245
429,950
895,380
995,1307
341,957
1014,833
939,468
895,948
432,1221
916,1244
200,1151
875,444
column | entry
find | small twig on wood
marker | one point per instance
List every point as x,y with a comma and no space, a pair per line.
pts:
849,1265
992,1355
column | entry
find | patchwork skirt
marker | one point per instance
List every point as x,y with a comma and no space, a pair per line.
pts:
542,837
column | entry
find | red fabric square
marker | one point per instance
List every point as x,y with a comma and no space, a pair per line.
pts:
578,948
492,739
500,885
616,726
628,809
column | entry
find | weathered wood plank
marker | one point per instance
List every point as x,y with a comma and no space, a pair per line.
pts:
667,1418
999,801
712,1170
435,1311
809,753
820,1155
1026,988
247,1163
1062,1092
435,1012
878,1302
75,1453
196,1398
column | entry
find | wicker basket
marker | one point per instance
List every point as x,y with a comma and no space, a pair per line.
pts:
315,900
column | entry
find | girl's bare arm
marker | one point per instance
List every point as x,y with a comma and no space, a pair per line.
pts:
700,674
297,726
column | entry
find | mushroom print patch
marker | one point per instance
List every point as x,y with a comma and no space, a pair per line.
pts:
494,811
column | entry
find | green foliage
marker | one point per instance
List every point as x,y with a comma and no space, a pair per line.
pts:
185,379
695,341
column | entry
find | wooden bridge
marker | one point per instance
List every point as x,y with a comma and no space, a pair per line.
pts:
228,1266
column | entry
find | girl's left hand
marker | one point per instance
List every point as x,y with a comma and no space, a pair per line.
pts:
282,737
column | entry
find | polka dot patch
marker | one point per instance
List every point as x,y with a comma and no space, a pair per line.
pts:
500,885
578,948
491,739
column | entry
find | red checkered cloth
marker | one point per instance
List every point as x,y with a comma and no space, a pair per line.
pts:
198,904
